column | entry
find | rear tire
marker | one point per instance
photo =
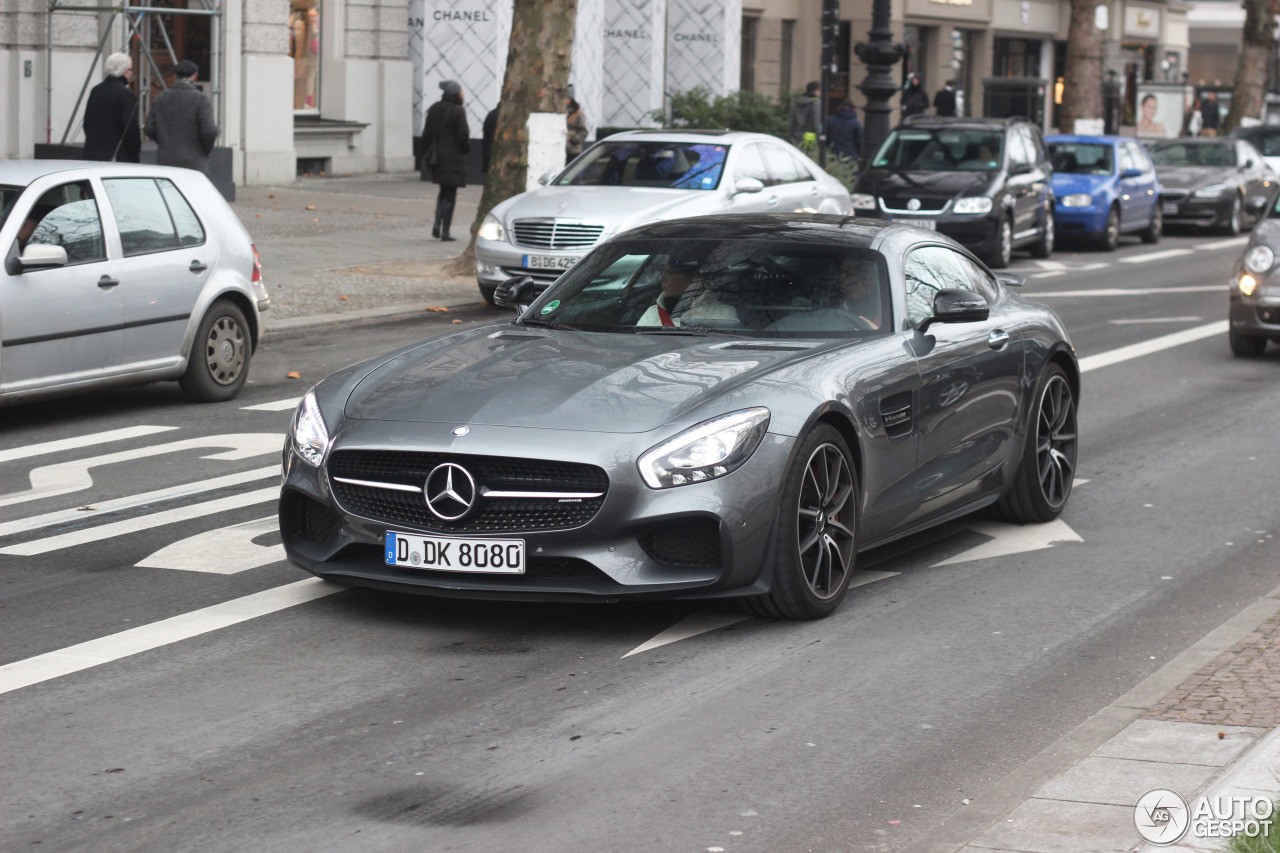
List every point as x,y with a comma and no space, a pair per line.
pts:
1043,247
1246,346
1047,470
1154,229
220,354
1111,231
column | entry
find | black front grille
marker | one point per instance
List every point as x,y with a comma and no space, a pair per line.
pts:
1269,315
684,542
560,568
555,234
1174,196
303,518
927,205
494,473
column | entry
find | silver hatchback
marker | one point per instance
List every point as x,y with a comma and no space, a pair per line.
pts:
123,274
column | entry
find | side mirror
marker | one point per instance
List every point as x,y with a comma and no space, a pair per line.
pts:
1248,164
1254,205
748,185
1020,169
42,255
546,178
957,306
1131,173
515,293
1009,279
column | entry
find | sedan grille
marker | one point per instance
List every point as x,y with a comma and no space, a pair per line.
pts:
387,486
555,234
1174,195
903,203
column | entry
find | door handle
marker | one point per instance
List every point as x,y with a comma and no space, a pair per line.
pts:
196,266
998,339
108,281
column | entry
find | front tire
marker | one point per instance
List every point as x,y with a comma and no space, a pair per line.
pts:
1003,253
220,354
1048,467
1043,247
1235,216
1246,346
816,531
1111,231
1154,229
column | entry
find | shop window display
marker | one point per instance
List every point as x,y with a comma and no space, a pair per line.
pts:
304,47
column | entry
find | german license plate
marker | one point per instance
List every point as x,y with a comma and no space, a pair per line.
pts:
926,224
549,262
449,554
1170,207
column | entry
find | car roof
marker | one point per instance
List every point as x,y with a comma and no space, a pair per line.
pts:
924,121
1194,140
790,227
24,172
720,137
1084,137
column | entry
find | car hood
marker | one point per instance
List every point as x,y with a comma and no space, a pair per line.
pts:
1066,183
559,379
929,184
616,208
1190,177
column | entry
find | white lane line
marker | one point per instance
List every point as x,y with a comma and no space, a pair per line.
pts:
1050,265
24,673
1009,539
1121,291
143,522
1186,336
1156,256
1050,274
66,477
225,551
1099,265
1224,244
80,441
63,516
274,406
1141,320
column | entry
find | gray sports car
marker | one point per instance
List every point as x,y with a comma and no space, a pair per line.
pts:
721,406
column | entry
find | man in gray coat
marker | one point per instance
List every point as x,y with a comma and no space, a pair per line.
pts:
181,122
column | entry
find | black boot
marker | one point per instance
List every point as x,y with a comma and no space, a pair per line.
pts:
435,228
446,219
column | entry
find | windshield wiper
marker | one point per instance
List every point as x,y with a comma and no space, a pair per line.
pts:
672,330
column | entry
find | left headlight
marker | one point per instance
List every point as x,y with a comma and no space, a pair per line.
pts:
1077,200
310,438
709,450
1259,259
491,229
1211,191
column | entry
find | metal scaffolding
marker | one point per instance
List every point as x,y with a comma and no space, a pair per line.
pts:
141,25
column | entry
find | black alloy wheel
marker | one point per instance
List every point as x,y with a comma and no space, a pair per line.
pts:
1043,247
1155,228
220,354
1003,253
1246,346
1048,468
1111,231
816,532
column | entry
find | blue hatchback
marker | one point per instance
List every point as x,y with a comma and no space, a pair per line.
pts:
1104,186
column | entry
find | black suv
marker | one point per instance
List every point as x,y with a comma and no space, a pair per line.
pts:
983,182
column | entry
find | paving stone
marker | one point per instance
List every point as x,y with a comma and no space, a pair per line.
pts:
1058,826
1180,743
1121,781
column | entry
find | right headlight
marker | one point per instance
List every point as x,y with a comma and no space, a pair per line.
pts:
310,438
491,229
1259,259
862,201
1211,191
973,204
704,452
1077,200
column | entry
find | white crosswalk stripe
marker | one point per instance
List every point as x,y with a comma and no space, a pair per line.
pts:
80,441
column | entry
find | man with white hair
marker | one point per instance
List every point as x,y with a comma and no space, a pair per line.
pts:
111,129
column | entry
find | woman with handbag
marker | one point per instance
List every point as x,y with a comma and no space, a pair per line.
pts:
446,141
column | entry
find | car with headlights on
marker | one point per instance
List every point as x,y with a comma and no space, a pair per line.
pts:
118,274
1104,186
725,406
986,183
643,176
1255,287
1208,182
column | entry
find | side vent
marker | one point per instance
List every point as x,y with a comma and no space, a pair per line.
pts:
895,414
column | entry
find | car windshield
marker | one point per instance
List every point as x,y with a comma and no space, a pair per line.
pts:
649,163
1265,139
942,150
1081,158
1193,154
8,198
748,288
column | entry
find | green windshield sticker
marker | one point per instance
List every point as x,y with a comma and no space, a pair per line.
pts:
551,306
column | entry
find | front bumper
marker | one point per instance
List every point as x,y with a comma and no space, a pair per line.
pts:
1207,212
1259,314
702,540
1079,220
497,261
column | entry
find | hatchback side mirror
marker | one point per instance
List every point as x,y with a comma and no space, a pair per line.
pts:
515,293
748,185
1131,173
42,256
546,178
957,306
1021,169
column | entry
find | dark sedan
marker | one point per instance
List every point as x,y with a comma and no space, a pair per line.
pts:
1255,289
719,407
1209,182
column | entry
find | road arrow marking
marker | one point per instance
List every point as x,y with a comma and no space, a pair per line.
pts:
80,441
225,551
1009,539
67,477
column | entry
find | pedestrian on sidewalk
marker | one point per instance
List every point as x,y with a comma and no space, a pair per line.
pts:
181,122
806,118
446,141
111,129
844,132
1211,119
576,136
915,100
944,100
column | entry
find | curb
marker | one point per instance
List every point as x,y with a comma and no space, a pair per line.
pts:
287,323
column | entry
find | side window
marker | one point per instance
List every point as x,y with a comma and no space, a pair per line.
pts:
1036,140
141,215
981,280
927,271
66,216
1019,151
1126,159
1140,158
801,168
751,164
782,169
190,232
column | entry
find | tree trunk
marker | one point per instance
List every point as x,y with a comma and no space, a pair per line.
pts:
1082,78
536,81
1255,58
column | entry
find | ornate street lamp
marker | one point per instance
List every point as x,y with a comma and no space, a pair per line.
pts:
830,35
879,55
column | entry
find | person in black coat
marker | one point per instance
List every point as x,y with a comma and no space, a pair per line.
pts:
944,100
446,141
182,123
844,132
915,100
111,129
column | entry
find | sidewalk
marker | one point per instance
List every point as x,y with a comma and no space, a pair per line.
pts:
333,248
1207,723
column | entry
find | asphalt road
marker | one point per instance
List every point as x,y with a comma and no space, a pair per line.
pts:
222,702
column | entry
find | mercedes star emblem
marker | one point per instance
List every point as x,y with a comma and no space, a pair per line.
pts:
914,204
450,491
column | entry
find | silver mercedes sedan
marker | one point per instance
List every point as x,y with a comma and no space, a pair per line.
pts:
117,274
644,176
